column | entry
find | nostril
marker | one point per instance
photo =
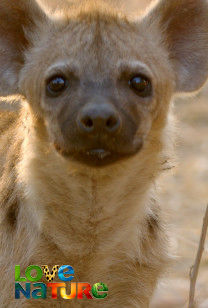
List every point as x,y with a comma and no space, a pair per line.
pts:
111,122
87,122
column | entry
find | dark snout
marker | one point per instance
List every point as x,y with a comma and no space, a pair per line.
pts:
99,133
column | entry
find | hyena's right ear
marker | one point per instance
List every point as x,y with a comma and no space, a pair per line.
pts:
17,17
183,29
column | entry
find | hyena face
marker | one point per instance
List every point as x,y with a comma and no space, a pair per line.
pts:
97,96
100,84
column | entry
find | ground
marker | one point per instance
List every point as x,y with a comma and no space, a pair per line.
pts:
184,196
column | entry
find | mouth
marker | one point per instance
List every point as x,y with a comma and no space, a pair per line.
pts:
94,157
100,156
97,157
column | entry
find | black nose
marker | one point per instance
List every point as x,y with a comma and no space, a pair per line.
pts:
99,118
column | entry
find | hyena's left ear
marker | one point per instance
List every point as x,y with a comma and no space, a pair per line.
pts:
17,17
183,25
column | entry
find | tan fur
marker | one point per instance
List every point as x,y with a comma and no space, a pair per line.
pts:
105,222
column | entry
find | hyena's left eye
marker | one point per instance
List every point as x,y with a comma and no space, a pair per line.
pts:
56,85
141,85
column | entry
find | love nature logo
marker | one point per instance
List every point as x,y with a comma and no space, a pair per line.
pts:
31,287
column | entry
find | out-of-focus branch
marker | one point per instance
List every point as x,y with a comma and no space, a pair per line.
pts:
195,268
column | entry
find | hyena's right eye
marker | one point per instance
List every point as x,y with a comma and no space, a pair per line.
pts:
56,85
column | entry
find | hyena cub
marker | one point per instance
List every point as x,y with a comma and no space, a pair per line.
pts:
79,160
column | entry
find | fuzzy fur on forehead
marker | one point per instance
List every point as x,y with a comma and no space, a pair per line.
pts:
89,15
91,8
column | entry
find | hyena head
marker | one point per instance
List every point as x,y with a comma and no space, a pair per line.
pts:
99,82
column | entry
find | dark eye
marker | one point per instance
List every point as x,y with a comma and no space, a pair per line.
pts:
56,85
141,85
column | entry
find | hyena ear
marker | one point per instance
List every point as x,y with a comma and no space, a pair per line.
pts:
16,18
184,27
